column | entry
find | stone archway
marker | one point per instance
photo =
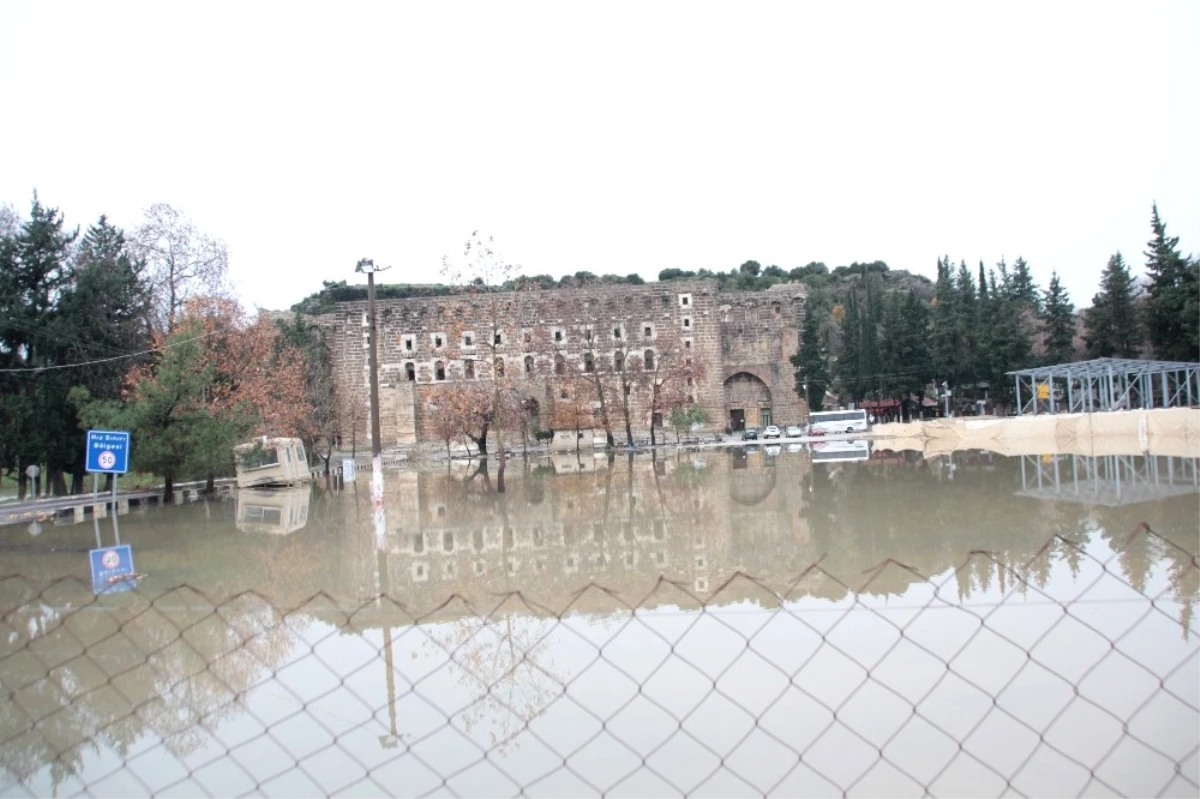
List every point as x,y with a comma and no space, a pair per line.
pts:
747,401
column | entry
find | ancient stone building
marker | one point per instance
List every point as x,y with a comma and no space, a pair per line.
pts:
658,344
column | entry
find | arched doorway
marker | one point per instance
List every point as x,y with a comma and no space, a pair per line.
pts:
747,401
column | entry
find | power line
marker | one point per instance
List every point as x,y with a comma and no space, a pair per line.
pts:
28,369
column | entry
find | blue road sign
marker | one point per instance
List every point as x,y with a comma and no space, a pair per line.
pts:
107,451
112,569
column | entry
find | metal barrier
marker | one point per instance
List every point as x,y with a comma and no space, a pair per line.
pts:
828,685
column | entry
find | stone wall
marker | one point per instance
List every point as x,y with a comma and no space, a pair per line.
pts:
547,341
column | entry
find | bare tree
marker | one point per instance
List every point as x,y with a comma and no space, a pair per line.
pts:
490,280
181,262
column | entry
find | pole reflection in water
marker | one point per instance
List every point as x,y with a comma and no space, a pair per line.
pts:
526,639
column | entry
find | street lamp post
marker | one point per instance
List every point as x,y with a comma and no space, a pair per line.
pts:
368,266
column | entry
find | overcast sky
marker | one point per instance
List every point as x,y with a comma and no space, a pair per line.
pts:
614,137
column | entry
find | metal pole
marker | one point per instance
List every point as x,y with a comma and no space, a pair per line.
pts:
115,514
376,442
374,366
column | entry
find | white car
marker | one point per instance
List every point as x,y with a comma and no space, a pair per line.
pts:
793,431
770,431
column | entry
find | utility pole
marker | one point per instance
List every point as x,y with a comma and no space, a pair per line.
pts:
368,266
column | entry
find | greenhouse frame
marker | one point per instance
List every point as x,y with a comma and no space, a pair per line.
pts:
1106,384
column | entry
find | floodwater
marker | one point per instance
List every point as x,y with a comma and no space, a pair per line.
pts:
768,620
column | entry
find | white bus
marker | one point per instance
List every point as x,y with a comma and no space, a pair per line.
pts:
823,422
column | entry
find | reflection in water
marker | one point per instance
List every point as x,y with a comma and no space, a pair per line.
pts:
525,624
275,511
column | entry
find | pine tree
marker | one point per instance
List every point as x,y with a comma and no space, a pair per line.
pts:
1111,325
1171,298
812,374
1059,319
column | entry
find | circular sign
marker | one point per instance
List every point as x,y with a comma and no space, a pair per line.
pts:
107,459
111,559
32,471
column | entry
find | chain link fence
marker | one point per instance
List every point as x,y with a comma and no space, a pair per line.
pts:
832,684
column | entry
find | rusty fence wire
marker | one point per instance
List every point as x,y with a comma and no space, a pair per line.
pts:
824,686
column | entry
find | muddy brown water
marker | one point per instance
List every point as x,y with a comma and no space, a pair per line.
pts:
766,620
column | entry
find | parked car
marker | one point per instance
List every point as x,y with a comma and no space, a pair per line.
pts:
793,431
750,434
771,431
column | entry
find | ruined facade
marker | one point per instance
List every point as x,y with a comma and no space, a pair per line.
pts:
647,348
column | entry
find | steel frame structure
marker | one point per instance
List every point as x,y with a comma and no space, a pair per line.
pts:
1110,480
1107,384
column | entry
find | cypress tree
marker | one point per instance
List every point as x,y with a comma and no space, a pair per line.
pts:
944,337
850,358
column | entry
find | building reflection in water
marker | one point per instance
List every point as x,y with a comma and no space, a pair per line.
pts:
486,575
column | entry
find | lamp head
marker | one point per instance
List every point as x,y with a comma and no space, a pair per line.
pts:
365,265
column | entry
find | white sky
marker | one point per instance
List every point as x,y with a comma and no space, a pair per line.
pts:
614,137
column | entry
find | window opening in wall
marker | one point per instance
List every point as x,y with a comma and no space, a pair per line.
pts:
439,370
648,359
468,340
776,307
589,363
648,331
499,338
437,341
628,389
418,544
687,322
499,367
558,335
562,394
587,335
469,369
687,345
528,364
619,361
528,337
408,343
410,371
617,333
560,365
666,300
685,300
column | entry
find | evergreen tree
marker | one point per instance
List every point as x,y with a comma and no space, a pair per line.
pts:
1059,319
812,374
1023,288
966,326
868,347
904,354
1111,326
944,336
849,360
985,333
105,313
37,425
1171,297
